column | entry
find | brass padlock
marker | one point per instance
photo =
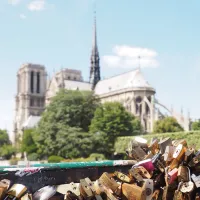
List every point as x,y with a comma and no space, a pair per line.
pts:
122,177
27,196
154,147
132,192
139,173
85,190
16,191
4,185
92,187
99,188
109,182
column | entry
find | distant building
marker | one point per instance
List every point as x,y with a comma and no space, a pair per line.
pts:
130,88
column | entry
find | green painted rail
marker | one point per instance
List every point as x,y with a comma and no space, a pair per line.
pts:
70,165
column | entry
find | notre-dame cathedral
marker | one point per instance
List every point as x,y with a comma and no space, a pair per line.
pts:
35,90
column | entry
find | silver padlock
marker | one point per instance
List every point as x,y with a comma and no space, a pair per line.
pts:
196,180
187,187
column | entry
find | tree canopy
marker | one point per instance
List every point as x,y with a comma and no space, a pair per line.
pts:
6,148
196,125
28,145
110,121
63,127
168,124
113,119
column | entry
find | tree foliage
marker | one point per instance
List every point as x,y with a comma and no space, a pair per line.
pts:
6,148
110,121
196,125
72,108
63,127
168,124
113,119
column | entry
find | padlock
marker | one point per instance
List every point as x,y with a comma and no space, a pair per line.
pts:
109,194
99,188
177,142
138,153
70,196
187,187
174,164
178,195
168,155
163,144
141,142
4,185
179,152
85,190
154,147
147,164
148,188
109,182
27,196
92,187
168,192
156,160
122,177
132,192
172,175
196,180
139,173
16,191
183,174
155,195
45,193
194,161
189,154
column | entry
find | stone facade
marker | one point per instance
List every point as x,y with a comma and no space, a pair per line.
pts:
30,98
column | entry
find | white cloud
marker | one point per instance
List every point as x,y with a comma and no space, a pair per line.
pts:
14,2
126,57
37,5
22,16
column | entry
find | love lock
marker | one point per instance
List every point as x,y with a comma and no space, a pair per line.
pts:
187,187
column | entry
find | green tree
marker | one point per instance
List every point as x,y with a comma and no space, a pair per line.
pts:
6,148
110,121
4,138
63,127
68,142
113,119
28,144
168,124
196,125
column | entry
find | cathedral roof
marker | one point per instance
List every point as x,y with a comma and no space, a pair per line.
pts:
74,85
131,79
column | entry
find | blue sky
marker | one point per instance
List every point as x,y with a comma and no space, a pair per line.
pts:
58,33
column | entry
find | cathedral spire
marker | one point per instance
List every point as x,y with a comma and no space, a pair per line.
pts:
94,60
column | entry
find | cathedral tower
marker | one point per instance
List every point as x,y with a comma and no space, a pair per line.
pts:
30,98
94,59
